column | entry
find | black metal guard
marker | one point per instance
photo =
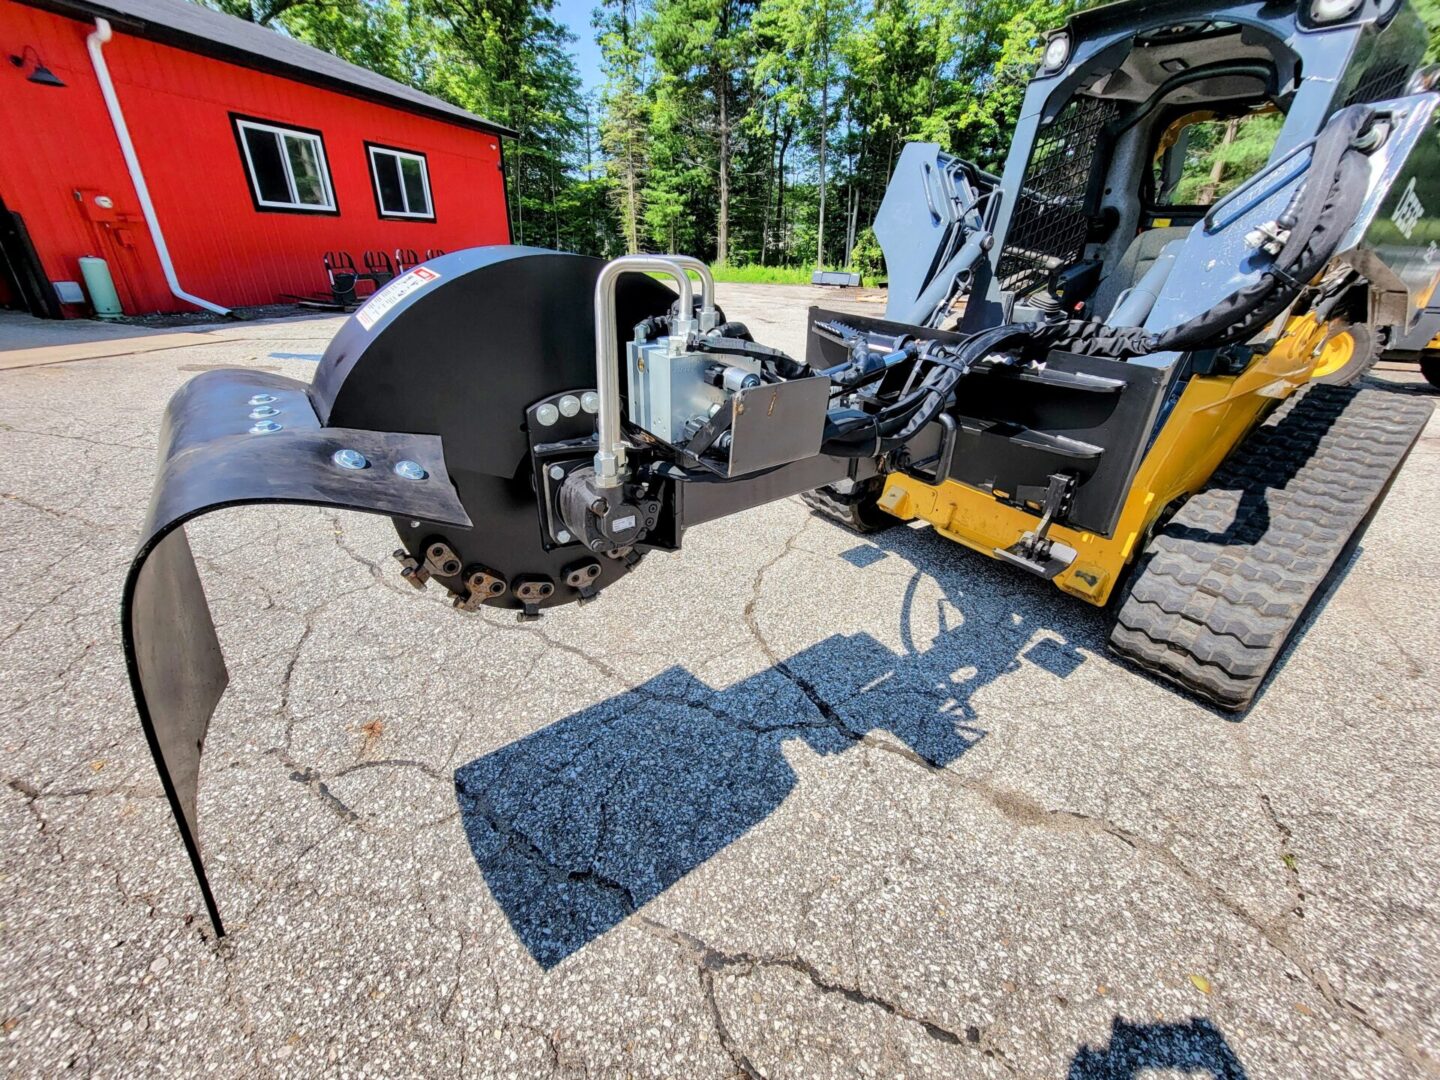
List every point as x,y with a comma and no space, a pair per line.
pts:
230,438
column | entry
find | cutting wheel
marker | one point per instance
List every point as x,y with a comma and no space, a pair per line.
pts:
462,356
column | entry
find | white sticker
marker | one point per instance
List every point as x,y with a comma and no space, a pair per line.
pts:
623,524
1408,211
378,305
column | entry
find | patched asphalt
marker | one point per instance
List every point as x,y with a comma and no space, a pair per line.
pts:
790,803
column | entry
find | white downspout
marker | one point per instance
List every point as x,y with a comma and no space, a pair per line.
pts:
96,43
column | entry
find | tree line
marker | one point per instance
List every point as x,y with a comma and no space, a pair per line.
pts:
765,131
743,131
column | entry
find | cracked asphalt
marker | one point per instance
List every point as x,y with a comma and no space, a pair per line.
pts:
791,803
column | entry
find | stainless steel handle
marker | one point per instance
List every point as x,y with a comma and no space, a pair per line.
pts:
610,451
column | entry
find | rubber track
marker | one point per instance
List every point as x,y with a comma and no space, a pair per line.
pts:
858,511
1223,585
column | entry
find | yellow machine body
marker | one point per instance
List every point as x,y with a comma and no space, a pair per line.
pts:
1213,414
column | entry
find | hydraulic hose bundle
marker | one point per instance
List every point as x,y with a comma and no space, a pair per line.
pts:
1312,226
1326,204
876,433
1323,207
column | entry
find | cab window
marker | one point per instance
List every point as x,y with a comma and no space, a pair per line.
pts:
1202,157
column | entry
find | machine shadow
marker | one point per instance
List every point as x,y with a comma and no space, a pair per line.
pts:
1195,1049
586,820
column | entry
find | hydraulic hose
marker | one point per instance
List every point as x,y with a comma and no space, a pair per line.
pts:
1326,204
1322,209
896,424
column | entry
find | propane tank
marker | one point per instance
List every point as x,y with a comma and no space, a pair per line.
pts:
101,287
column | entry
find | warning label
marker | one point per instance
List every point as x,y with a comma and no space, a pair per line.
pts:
407,283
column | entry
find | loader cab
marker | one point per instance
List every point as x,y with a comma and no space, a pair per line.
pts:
1142,117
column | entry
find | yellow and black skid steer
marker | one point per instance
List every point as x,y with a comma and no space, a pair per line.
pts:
1113,366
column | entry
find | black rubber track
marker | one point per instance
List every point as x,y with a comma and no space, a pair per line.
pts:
1223,584
1430,368
859,510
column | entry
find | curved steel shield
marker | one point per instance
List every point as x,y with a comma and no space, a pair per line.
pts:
230,438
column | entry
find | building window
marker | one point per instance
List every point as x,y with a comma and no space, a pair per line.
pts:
286,167
402,183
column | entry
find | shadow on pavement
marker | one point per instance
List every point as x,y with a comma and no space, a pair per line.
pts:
1195,1049
586,820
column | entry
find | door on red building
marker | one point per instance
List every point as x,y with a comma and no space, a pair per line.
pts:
23,284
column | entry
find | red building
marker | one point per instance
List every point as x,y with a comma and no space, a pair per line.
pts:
256,155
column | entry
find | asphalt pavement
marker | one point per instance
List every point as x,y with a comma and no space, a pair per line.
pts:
789,803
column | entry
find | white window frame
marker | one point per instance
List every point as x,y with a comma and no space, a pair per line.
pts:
429,215
282,133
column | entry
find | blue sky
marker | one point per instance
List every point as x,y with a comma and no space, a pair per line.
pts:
576,15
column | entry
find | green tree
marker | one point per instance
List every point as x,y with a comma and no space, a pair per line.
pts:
700,49
796,67
1220,155
1430,12
626,112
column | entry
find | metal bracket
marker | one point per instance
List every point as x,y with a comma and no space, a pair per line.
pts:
562,438
1035,551
410,568
481,584
530,591
582,577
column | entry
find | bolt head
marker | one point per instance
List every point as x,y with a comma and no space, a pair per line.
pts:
557,473
547,415
261,399
569,405
590,401
563,536
350,459
265,427
410,470
264,412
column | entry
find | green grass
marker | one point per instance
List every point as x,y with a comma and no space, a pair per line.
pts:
755,274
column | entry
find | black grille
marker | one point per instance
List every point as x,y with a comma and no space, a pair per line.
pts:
1380,84
1049,225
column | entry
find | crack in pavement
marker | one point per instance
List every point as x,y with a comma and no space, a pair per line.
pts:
376,569
1278,933
1024,811
526,847
710,960
61,515
105,444
722,1032
314,782
812,693
30,791
1021,810
393,763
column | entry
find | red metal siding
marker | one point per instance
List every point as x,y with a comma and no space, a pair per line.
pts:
58,151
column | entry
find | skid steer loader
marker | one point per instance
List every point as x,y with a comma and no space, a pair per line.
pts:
1100,367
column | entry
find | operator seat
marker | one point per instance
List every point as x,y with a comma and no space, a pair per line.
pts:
1139,257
